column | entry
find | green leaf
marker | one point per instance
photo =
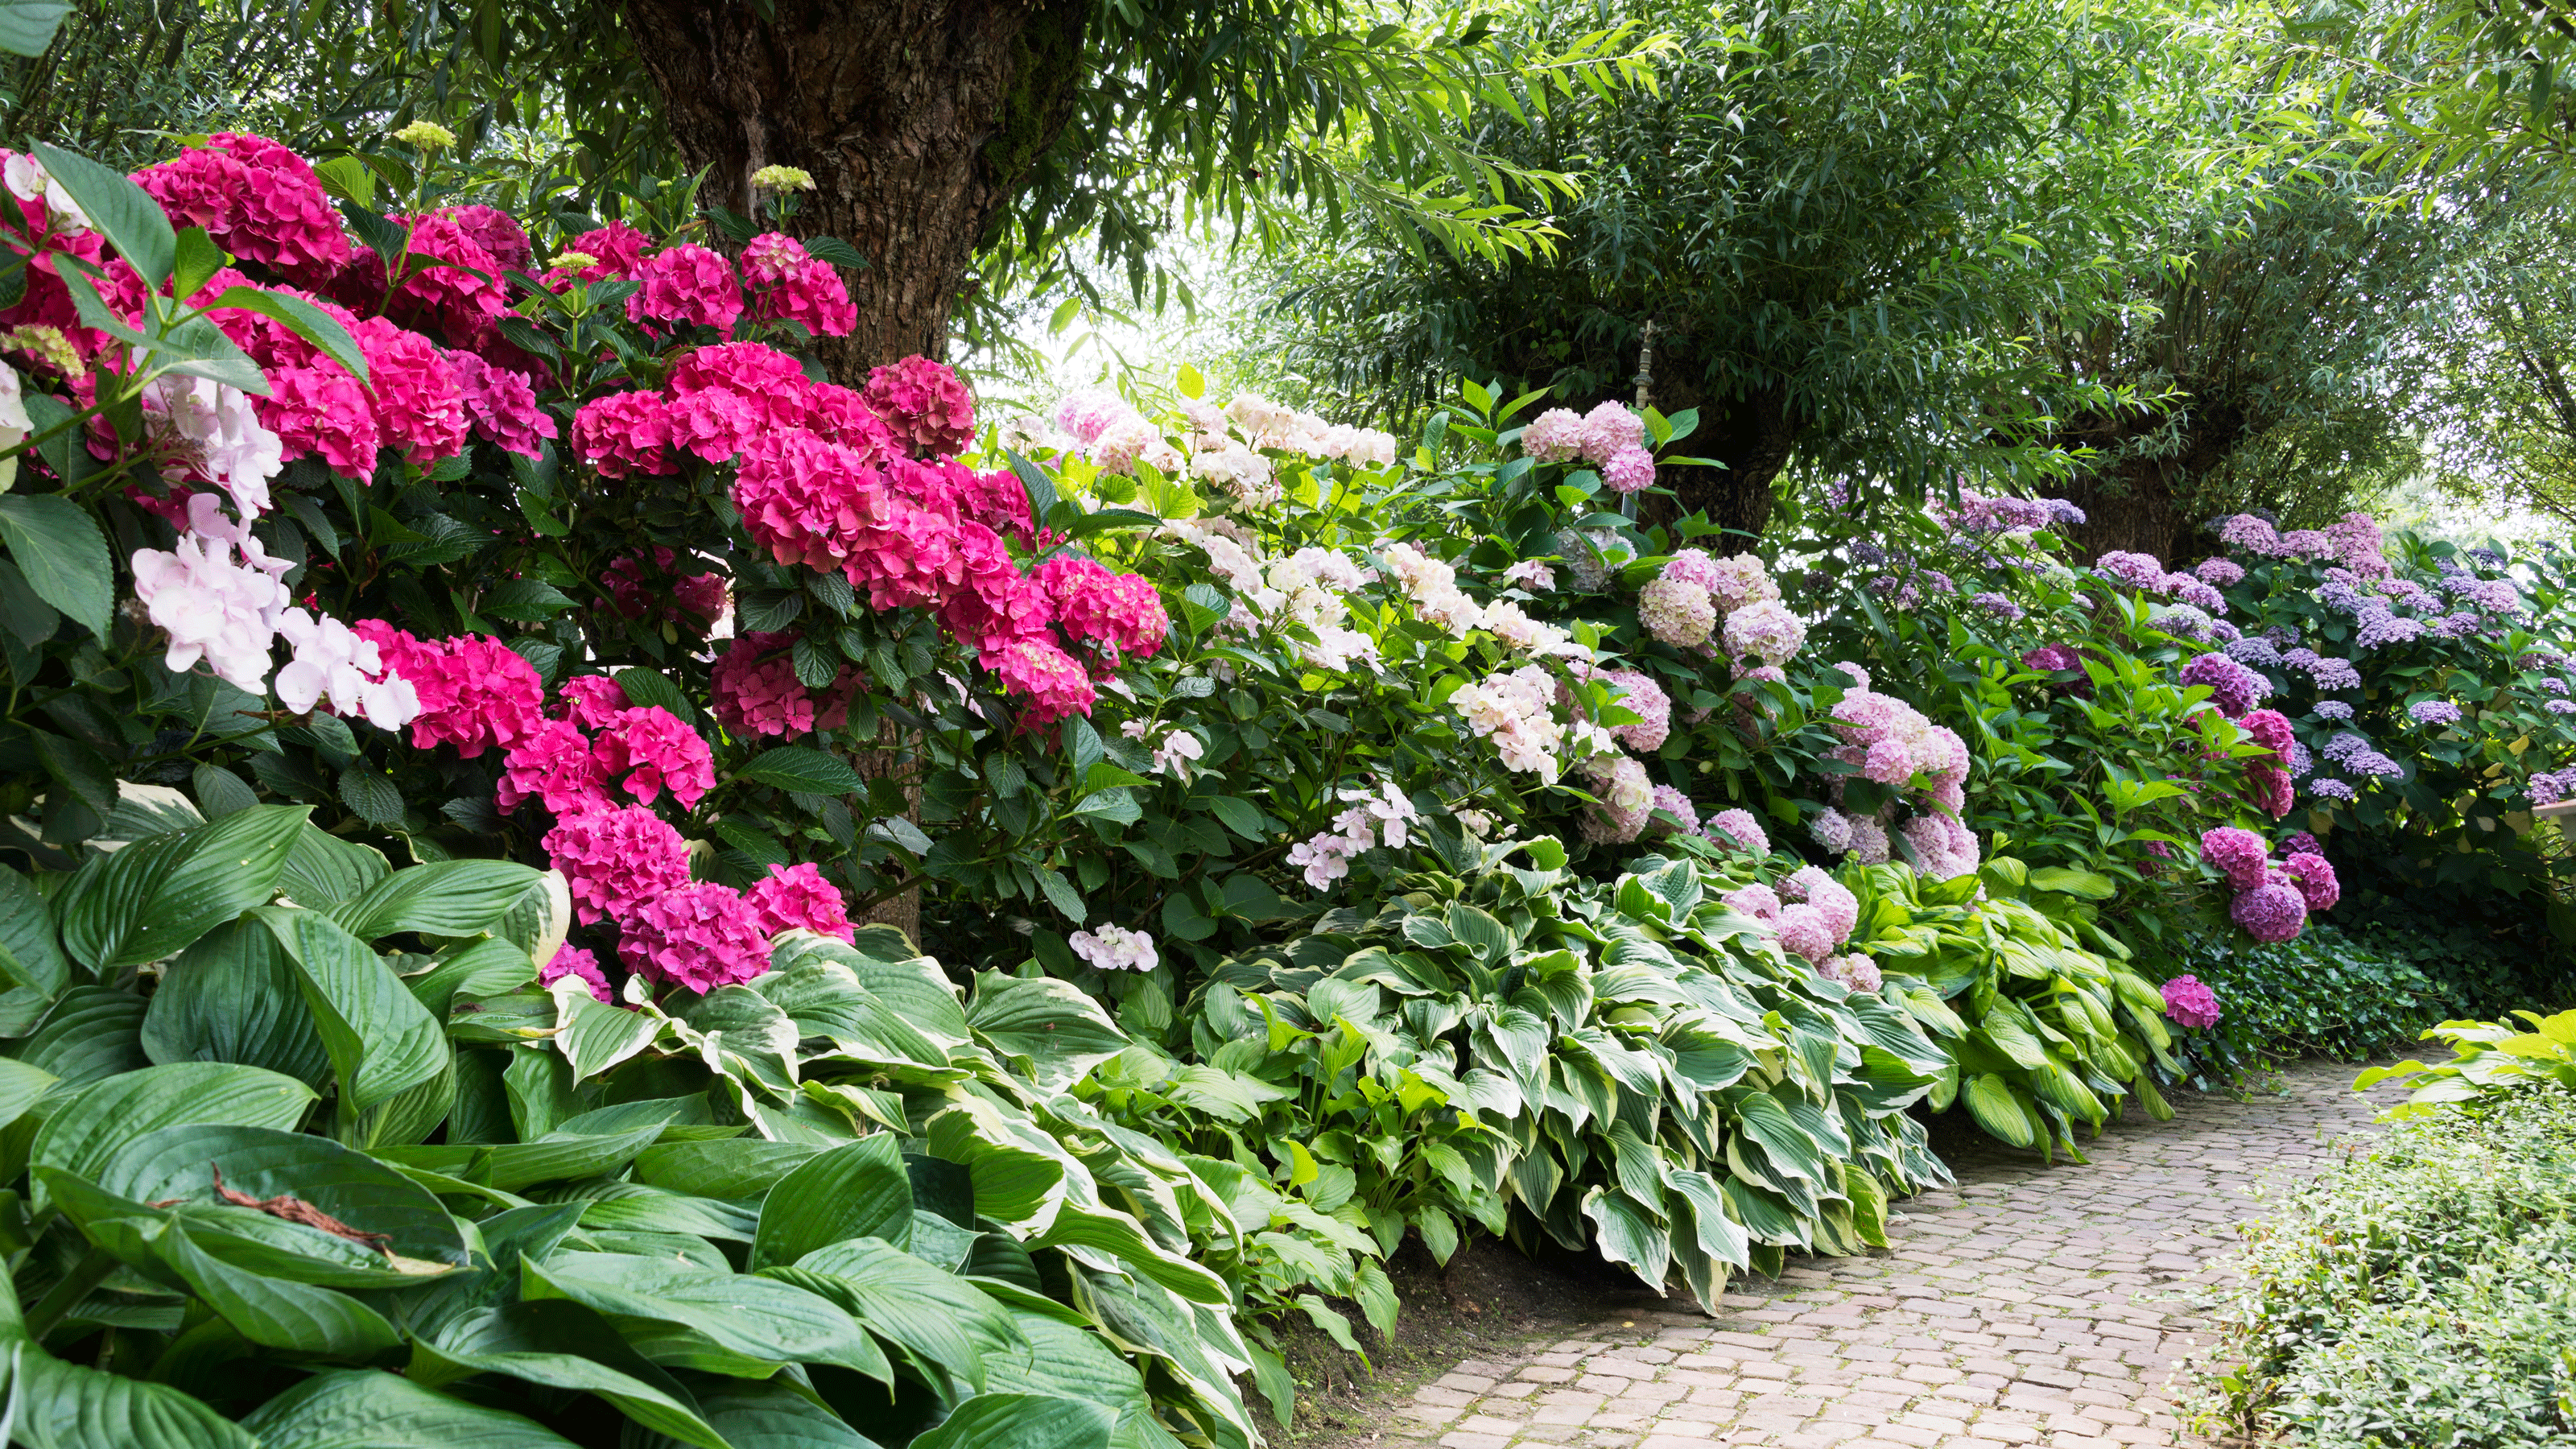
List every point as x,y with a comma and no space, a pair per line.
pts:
1052,1024
595,1036
363,1409
324,870
304,320
123,212
180,1162
684,1316
93,1032
799,768
1624,1233
21,1087
1022,1421
1999,1110
856,1190
561,1345
365,789
1120,1237
84,1134
447,898
525,601
154,897
62,555
65,1406
2083,883
940,1317
27,26
27,935
233,997
275,1313
1238,814
380,1038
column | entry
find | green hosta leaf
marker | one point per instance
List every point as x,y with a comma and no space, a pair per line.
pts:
740,1167
151,899
2082,883
1625,1233
1022,1421
448,898
936,1314
180,1163
21,1086
84,1134
558,1344
806,771
322,869
380,1038
857,1190
364,1409
1999,1110
1120,1237
27,934
690,1317
27,26
596,1036
1051,1024
275,1313
65,1406
234,997
93,1032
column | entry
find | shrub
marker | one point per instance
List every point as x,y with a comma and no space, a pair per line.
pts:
2489,1059
2421,1291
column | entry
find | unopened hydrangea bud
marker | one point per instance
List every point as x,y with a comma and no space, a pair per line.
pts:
427,135
575,261
783,178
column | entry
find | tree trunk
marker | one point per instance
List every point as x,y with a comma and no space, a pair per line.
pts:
2143,502
1752,435
918,119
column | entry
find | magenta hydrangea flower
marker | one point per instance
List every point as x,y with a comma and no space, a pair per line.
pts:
2268,786
790,285
654,750
2238,854
420,409
924,404
2269,728
573,961
687,283
756,689
324,411
793,897
451,286
2190,1003
804,499
615,860
2314,876
494,231
1120,612
2270,912
617,250
257,200
1050,679
624,434
697,936
475,692
590,699
555,767
501,406
2233,688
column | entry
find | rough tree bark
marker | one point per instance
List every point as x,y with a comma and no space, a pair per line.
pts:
2138,502
1752,435
917,118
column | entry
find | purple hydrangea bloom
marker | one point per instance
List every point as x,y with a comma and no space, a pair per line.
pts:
2329,789
2232,687
2341,597
2561,706
2222,632
2457,626
2300,761
2197,594
2181,621
2137,570
2062,511
2240,855
2270,912
2556,785
1868,553
2554,685
2220,572
2380,627
2334,710
2434,712
2335,674
2487,556
1998,605
2256,650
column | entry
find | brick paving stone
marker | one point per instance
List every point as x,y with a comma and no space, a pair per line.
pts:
2027,1307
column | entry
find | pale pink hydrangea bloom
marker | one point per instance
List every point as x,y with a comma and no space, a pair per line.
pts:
1740,831
1764,631
1611,429
1554,436
1629,470
217,593
1115,948
1676,611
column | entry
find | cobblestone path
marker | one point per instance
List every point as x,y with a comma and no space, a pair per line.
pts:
2028,1305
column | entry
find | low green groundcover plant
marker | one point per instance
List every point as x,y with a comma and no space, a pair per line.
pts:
2423,1291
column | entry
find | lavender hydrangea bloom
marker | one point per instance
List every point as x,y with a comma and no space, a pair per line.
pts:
2330,789
2554,786
2554,685
2379,628
2358,757
2180,620
1998,605
2434,712
2335,674
2222,632
2341,597
2487,556
2063,511
2299,658
2300,761
2456,626
2334,710
1867,553
2137,570
2232,687
2255,650
2561,706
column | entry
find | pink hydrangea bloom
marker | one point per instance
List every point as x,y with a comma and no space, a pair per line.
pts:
2314,876
589,700
924,404
804,499
1053,683
2268,728
1641,695
998,603
1764,631
789,285
1676,611
1609,430
1737,830
1554,436
420,409
475,692
615,860
321,411
1629,470
493,231
793,897
501,406
2233,688
556,767
686,283
902,555
1856,972
714,423
450,284
1758,901
1839,907
2190,1003
1120,612
653,750
2240,855
837,415
2219,573
1675,803
1625,794
573,961
697,936
2136,570
772,383
2270,912
2357,544
620,251
2269,787
1805,933
756,689
257,200
2248,532
624,434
